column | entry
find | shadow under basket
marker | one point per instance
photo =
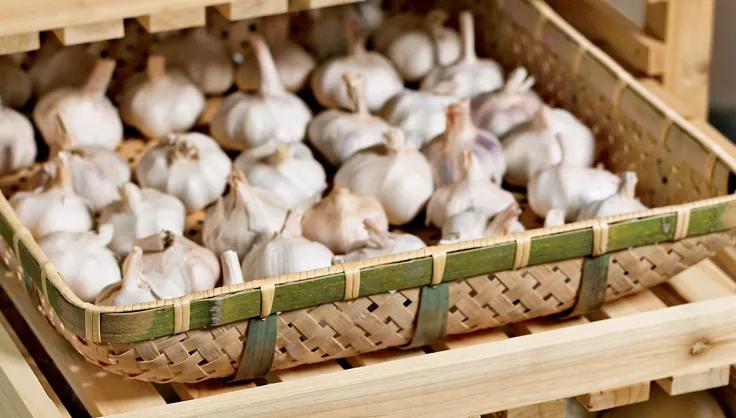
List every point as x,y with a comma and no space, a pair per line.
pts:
414,299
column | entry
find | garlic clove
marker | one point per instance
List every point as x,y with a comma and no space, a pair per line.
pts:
289,170
396,174
446,152
381,243
232,273
338,135
471,74
55,67
160,101
464,226
15,84
420,114
338,220
624,201
270,115
555,217
17,142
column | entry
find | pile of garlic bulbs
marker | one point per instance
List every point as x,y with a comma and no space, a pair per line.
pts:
319,152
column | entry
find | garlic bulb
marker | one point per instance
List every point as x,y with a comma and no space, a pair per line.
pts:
163,266
16,141
624,201
419,113
189,166
474,224
90,118
381,243
381,79
240,217
416,52
140,213
396,174
499,111
555,217
446,152
83,260
293,63
290,171
471,74
53,207
569,188
325,36
272,114
393,26
67,66
338,220
15,84
203,57
232,273
506,222
285,252
473,191
158,101
338,134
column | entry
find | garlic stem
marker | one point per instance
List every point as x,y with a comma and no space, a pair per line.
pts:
293,225
231,271
467,33
458,121
501,223
63,176
130,194
355,84
100,77
180,148
355,36
380,237
280,155
628,184
270,81
64,140
104,234
132,269
156,67
519,81
275,30
395,140
156,242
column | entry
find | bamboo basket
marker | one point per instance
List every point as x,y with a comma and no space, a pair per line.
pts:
416,298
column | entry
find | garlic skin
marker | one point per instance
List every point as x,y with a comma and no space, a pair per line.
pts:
85,263
476,224
89,116
272,114
15,84
190,166
241,216
96,175
624,201
286,252
68,66
446,153
396,174
535,145
140,213
416,52
158,101
54,207
500,111
471,75
290,171
382,81
232,273
419,113
338,134
293,63
203,57
338,220
16,141
473,191
555,217
381,243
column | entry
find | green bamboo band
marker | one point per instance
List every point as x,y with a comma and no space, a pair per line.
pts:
260,344
593,285
431,316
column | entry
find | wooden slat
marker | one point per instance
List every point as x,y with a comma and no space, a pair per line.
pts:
174,19
314,4
307,370
189,391
683,107
21,42
93,387
90,32
247,9
695,382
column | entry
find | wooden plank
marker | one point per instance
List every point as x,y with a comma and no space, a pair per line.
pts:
91,32
91,385
683,107
695,382
296,5
189,391
247,9
20,42
306,370
726,260
613,398
504,374
174,19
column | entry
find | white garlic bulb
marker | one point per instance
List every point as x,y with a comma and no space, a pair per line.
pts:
396,174
54,207
293,63
189,166
140,213
569,188
158,101
15,84
393,26
85,263
338,134
476,223
289,170
89,116
285,252
555,217
248,120
624,201
446,153
419,113
241,216
67,66
381,79
203,57
338,220
473,191
232,273
416,52
500,111
17,143
472,75
381,243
